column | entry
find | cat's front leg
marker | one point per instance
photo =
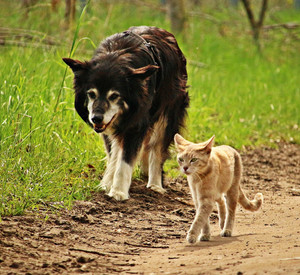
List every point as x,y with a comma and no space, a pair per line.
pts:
201,221
194,192
205,232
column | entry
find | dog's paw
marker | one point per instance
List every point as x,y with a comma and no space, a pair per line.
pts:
105,185
118,195
157,189
205,238
226,233
102,187
191,238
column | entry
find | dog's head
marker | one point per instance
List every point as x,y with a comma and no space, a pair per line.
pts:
105,89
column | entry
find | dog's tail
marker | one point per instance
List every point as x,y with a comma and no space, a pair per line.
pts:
253,205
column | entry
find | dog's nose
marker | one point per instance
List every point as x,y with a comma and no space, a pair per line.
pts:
97,119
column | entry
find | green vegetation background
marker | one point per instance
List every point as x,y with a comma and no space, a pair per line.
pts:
49,157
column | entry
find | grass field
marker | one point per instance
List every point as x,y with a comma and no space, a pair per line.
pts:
47,153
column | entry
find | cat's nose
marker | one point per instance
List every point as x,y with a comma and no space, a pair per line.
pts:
185,168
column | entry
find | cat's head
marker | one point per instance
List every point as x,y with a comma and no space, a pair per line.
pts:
192,157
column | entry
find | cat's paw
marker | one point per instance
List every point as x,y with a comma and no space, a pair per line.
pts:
157,189
226,233
205,238
118,195
191,238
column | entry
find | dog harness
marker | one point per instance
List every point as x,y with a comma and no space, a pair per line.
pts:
149,48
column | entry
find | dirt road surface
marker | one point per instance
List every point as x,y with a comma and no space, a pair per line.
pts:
146,234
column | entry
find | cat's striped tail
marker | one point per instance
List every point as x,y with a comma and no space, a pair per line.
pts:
253,205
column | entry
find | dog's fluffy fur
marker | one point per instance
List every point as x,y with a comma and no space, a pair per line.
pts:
133,91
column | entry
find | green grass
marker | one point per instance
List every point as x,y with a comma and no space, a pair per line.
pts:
47,153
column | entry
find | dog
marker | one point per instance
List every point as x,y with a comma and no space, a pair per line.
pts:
133,92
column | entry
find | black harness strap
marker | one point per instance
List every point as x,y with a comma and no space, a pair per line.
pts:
150,49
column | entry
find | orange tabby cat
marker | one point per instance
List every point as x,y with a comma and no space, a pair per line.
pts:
213,172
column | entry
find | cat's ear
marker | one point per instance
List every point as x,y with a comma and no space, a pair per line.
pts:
180,142
209,144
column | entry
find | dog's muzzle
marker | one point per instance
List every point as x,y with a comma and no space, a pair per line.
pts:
98,124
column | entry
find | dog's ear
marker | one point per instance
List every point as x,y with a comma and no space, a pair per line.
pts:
143,72
76,65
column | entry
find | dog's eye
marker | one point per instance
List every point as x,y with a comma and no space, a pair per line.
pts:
113,97
91,94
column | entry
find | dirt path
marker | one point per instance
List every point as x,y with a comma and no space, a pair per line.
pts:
147,233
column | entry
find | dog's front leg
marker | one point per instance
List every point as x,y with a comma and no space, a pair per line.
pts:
155,171
121,179
112,158
128,151
156,156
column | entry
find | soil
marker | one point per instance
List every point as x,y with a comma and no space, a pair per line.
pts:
146,234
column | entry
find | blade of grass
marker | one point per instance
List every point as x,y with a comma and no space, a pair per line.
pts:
72,50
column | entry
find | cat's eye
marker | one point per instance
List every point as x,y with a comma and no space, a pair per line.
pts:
193,160
91,94
113,96
180,159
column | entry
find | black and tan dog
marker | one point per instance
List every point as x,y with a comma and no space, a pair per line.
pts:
133,92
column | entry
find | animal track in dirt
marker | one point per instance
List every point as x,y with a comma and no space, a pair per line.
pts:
146,234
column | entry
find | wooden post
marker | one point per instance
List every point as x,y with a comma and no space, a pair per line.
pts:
70,11
256,25
54,5
176,14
